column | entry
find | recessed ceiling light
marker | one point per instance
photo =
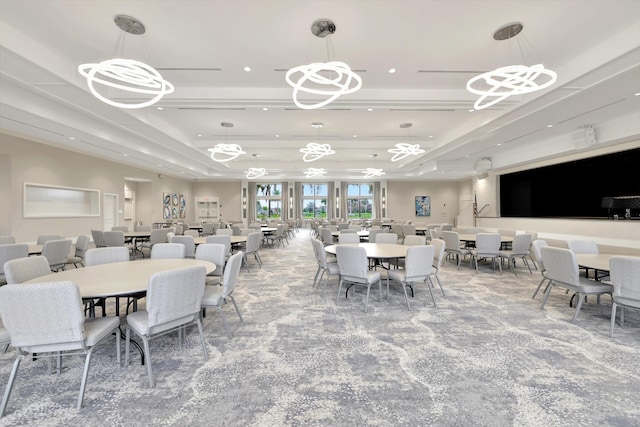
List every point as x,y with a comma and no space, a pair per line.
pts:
549,126
637,94
125,154
72,137
199,135
277,136
256,155
317,125
355,136
430,136
471,110
247,69
373,155
392,70
265,109
499,144
159,108
369,109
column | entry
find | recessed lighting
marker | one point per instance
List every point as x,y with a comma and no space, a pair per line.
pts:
72,137
265,109
125,154
373,155
430,136
277,136
199,135
369,109
471,110
247,69
392,70
549,126
256,155
637,94
317,125
159,108
499,144
355,136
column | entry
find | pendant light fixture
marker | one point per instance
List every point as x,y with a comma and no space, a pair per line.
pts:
402,149
226,152
314,151
330,79
501,83
125,75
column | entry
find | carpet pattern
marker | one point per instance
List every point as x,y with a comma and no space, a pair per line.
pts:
486,355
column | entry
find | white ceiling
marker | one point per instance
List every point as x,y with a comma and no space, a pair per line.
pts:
201,47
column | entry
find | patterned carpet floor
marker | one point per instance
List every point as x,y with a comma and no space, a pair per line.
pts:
486,355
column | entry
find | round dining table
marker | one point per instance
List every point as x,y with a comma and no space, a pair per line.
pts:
235,240
375,250
119,278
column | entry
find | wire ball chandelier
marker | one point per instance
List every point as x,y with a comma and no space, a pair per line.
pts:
372,173
225,152
315,172
329,80
501,83
126,75
254,173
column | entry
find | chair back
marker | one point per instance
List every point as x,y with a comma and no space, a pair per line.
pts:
560,265
98,238
373,232
386,238
451,240
355,227
487,244
536,247
343,225
7,240
438,255
408,230
348,237
175,295
43,317
207,229
583,246
236,230
46,237
433,233
20,270
327,237
320,253
168,251
215,253
352,261
108,255
446,227
418,262
521,244
12,251
113,238
222,239
122,228
143,228
82,244
179,230
189,245
231,273
253,242
247,231
474,230
192,233
506,232
348,231
57,252
158,236
170,236
414,240
624,272
397,229
224,232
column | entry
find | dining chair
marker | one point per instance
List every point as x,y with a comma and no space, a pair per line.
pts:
9,252
413,240
224,232
348,237
354,270
488,247
108,255
174,300
157,236
215,253
47,319
408,230
217,296
7,240
168,251
20,270
624,274
46,237
520,248
453,246
418,268
252,247
583,247
81,246
386,238
324,266
98,238
207,229
189,245
223,239
278,237
536,250
438,261
122,228
191,232
57,252
562,271
327,237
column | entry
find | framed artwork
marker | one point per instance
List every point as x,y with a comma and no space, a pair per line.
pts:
174,199
423,205
166,199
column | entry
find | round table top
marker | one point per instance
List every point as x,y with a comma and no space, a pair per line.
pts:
594,261
375,250
362,233
466,237
136,234
234,240
120,278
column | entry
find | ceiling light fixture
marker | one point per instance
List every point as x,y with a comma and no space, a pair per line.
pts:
403,149
228,151
254,173
127,75
315,151
328,79
501,83
372,172
315,172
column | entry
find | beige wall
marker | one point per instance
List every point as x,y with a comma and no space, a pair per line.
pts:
229,193
401,200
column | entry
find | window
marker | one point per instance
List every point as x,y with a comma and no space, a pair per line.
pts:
314,200
359,200
269,201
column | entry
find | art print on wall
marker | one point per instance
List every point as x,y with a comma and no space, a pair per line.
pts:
166,199
423,205
183,206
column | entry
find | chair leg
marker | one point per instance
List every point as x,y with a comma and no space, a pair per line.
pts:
233,300
339,290
366,301
406,297
580,298
204,344
224,322
544,279
12,378
546,294
429,286
613,318
145,342
85,374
